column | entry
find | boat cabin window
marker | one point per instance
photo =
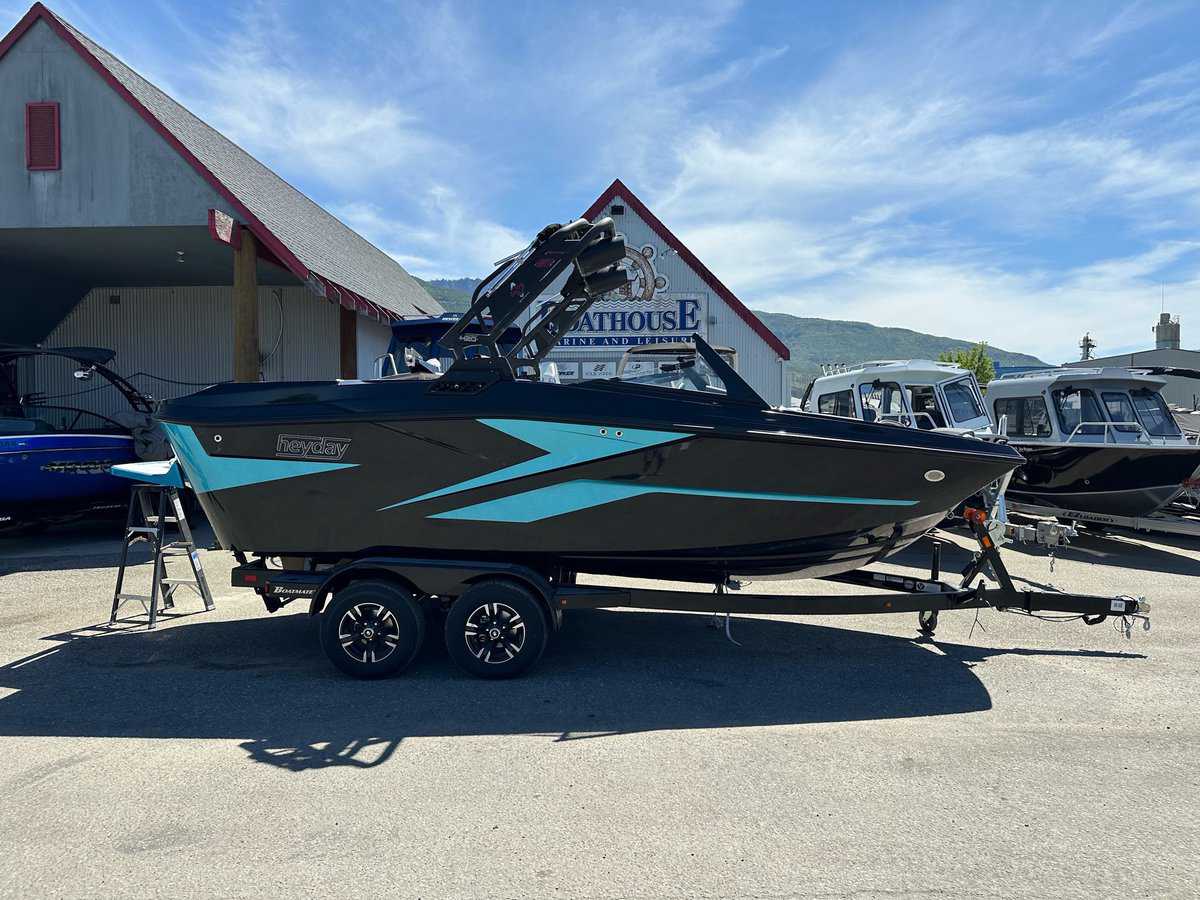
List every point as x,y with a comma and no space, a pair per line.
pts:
962,400
1078,412
1152,410
926,412
1027,416
883,398
1120,411
839,403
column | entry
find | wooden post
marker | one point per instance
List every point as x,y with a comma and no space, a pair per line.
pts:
246,353
348,341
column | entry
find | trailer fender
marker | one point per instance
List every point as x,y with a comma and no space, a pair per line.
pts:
343,577
426,578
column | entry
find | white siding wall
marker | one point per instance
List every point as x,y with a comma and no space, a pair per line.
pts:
186,334
758,362
373,340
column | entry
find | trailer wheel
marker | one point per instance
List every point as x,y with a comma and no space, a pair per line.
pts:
372,629
927,621
496,629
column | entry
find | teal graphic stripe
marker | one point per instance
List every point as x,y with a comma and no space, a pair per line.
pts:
218,473
572,496
566,444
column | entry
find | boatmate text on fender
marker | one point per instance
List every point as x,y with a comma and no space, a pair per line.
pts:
306,446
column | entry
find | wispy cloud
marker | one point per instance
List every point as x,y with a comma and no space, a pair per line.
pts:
306,118
448,241
944,198
1035,311
1015,172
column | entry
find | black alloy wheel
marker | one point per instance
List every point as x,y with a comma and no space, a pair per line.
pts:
496,629
372,629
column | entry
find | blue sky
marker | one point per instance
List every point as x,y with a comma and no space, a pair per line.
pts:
1008,172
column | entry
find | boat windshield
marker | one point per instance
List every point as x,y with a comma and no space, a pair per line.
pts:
962,400
684,371
1153,413
1120,411
46,419
12,425
1078,413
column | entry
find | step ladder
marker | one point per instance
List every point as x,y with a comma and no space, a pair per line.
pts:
152,508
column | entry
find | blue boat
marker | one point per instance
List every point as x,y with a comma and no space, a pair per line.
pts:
55,461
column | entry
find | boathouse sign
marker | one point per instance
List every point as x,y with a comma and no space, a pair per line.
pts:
644,311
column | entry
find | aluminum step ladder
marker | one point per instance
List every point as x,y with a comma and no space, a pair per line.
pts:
152,508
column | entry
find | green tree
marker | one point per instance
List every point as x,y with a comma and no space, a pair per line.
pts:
976,360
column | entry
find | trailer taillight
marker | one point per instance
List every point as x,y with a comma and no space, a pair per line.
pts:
978,516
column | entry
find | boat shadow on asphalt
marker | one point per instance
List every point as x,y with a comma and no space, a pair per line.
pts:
88,544
263,682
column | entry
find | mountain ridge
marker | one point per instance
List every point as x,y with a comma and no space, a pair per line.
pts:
815,342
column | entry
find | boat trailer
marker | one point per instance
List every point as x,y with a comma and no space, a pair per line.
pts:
1167,521
925,596
446,584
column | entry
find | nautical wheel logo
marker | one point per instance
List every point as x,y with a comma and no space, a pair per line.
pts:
644,279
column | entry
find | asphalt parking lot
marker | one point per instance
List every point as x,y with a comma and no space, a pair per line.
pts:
646,756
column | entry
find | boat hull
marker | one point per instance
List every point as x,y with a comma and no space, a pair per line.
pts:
46,475
658,487
1112,480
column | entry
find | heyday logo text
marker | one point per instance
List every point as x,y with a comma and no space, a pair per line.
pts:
307,446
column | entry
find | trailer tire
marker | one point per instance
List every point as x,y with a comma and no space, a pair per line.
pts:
372,629
496,629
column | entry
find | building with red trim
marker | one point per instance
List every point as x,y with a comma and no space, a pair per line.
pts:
671,296
126,222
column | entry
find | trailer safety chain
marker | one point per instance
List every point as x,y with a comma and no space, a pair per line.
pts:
1122,622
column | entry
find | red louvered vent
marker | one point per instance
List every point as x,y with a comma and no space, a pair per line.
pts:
41,136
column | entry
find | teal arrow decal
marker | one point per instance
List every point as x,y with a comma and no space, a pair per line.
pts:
565,443
572,496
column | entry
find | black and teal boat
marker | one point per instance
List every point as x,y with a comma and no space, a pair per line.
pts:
486,461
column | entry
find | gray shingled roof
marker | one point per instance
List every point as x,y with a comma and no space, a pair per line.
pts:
321,242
